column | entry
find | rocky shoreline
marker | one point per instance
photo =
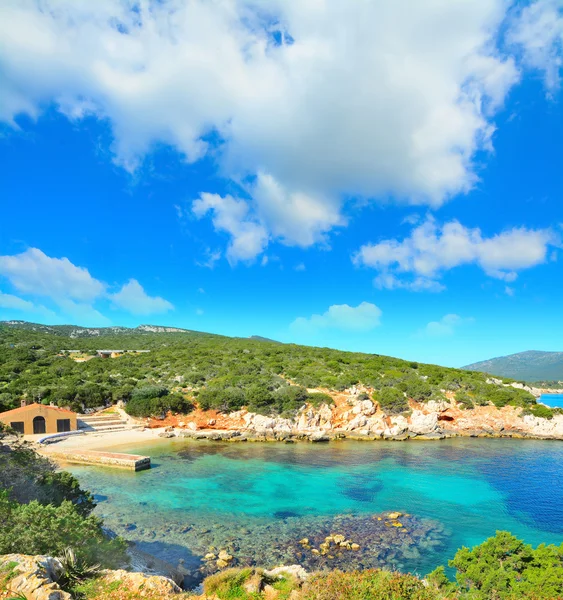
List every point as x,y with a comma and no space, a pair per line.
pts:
354,416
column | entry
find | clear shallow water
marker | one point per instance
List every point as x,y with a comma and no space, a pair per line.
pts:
553,400
259,499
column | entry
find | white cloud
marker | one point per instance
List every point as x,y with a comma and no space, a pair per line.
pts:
11,302
538,31
300,267
418,261
33,272
446,325
388,281
133,298
211,257
199,312
381,99
248,237
71,288
509,291
296,218
364,317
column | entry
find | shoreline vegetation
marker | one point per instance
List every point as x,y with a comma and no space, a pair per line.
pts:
51,546
201,386
195,382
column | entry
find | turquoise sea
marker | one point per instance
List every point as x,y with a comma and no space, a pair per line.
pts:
258,500
553,400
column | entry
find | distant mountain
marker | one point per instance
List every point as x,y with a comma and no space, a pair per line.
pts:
532,365
76,331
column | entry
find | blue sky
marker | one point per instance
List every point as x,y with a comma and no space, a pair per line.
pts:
386,179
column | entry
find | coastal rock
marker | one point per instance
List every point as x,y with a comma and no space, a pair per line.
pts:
34,577
319,437
260,422
421,423
437,406
552,428
325,412
296,571
364,407
224,555
357,423
139,582
167,434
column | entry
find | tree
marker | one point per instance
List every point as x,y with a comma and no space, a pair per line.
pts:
505,567
391,400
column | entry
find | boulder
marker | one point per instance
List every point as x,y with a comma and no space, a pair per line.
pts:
34,577
364,407
254,584
357,423
139,583
421,423
319,437
261,422
224,555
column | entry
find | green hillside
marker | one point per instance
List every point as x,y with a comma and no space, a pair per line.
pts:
532,365
185,367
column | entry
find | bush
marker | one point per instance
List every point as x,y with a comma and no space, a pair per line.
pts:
368,584
503,396
464,400
223,399
318,398
38,529
417,389
158,407
289,398
539,410
28,476
505,567
391,400
149,392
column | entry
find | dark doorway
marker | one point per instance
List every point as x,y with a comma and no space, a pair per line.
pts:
63,425
39,425
18,426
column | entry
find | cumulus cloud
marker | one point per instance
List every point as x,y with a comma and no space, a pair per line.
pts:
33,272
364,317
538,31
70,287
446,325
418,261
133,298
312,101
248,237
11,302
296,218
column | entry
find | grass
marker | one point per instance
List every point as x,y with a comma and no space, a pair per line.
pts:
99,589
372,584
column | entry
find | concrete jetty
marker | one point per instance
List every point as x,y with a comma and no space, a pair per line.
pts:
132,462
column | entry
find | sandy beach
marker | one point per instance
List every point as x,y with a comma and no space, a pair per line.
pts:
101,441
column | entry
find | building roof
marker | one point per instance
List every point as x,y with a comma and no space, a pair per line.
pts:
22,409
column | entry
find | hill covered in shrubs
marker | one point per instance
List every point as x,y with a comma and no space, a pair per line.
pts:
183,368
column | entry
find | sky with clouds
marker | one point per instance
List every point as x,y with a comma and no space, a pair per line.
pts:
382,176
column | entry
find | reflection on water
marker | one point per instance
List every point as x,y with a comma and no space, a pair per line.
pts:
259,500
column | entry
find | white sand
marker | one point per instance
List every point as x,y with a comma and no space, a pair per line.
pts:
102,441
